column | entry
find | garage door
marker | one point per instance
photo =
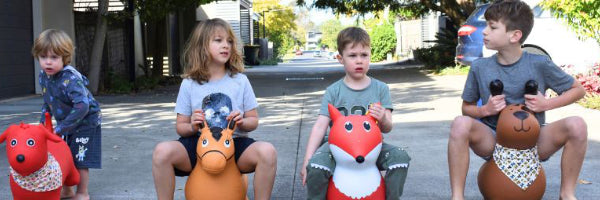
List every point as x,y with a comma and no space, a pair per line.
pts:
16,63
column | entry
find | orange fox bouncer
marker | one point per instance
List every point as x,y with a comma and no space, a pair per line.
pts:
355,142
514,172
216,175
40,161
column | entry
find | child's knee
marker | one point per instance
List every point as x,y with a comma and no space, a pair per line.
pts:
162,152
460,127
267,153
577,127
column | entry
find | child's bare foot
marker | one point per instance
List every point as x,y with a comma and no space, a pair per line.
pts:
67,192
80,196
567,197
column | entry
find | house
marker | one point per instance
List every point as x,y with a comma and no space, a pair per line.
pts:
24,20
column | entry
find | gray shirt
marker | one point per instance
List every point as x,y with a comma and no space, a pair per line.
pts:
355,102
528,67
217,99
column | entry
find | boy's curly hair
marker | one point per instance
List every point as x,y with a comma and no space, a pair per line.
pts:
55,41
354,36
515,14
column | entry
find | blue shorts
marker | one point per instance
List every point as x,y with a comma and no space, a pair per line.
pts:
190,144
86,147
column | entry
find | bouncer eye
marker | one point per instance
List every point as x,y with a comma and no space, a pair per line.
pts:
367,126
348,127
30,142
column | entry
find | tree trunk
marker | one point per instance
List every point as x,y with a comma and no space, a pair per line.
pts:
99,38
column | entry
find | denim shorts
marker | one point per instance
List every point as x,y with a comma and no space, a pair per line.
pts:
190,144
86,147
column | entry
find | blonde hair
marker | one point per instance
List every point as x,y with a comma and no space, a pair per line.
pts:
196,55
354,36
56,41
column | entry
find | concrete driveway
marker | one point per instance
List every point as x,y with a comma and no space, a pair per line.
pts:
289,102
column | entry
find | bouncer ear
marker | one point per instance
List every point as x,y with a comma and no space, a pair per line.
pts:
50,136
203,125
3,136
231,124
334,113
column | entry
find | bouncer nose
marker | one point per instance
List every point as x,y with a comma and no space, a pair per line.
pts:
360,159
20,158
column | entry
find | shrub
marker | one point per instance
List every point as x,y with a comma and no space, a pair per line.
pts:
590,81
440,55
383,41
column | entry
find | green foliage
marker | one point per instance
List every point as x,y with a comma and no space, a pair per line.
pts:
383,41
279,21
440,55
272,61
456,70
591,101
582,15
152,10
456,10
330,30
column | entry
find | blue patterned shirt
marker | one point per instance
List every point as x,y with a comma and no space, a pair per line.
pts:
69,101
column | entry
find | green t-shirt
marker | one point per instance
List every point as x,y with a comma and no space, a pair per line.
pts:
355,102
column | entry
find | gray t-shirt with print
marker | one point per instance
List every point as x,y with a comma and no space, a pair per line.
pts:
355,102
217,99
528,67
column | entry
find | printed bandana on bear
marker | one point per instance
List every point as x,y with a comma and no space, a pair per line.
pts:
48,178
520,166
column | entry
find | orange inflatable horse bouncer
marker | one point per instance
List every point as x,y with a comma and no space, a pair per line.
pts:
40,161
514,172
216,175
355,142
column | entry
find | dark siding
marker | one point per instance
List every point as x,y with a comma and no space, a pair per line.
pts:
16,63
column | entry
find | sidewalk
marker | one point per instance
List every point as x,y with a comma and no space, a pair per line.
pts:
424,108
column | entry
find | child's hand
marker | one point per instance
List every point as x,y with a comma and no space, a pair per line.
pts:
303,173
377,111
536,103
197,118
236,117
494,105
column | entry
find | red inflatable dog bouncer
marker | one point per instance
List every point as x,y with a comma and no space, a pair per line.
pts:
355,142
40,161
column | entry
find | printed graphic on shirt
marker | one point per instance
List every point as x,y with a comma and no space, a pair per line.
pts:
216,107
81,153
355,110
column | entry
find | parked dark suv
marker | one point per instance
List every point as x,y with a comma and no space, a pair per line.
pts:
470,39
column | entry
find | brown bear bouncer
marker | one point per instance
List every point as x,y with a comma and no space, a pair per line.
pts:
514,172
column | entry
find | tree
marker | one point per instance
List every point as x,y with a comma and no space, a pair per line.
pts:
98,46
582,15
155,12
279,24
383,41
456,10
330,30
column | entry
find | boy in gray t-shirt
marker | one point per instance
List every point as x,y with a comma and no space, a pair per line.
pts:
355,94
508,24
